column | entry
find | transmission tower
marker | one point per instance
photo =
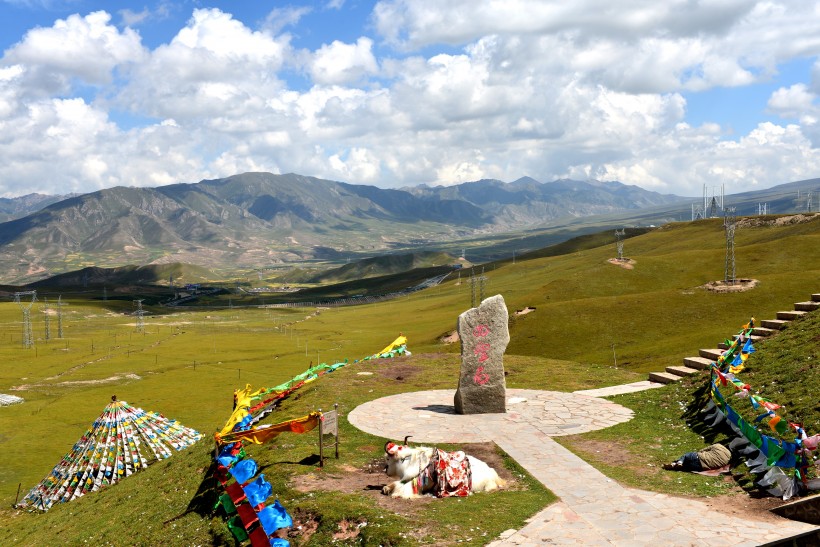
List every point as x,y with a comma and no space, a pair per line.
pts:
28,337
140,313
715,203
60,316
47,318
808,201
619,242
712,204
762,208
476,286
730,223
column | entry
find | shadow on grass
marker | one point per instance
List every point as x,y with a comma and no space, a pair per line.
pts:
206,497
312,460
694,416
701,419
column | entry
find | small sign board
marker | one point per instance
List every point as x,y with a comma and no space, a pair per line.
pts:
328,425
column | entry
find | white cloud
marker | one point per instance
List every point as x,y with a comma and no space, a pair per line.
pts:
132,18
356,164
793,102
798,102
214,66
340,63
85,48
636,46
586,89
279,18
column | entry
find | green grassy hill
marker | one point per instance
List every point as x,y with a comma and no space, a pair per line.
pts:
384,265
159,274
186,364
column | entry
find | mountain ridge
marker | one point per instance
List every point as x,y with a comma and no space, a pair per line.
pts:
256,219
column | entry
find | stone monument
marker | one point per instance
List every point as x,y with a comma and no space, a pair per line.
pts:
484,336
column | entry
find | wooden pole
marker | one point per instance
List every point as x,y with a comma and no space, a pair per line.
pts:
321,438
336,409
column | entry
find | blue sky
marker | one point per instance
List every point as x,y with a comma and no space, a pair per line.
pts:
667,96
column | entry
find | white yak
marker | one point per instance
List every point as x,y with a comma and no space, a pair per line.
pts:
426,470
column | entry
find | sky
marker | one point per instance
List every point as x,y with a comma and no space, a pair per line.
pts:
671,96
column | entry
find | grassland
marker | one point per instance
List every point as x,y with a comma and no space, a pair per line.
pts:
588,315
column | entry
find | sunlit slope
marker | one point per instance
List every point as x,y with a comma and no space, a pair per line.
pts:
655,313
186,363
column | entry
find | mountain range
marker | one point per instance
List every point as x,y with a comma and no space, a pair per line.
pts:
260,220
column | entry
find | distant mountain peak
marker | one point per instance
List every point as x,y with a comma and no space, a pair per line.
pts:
525,180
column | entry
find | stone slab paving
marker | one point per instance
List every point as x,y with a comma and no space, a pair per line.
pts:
620,390
594,510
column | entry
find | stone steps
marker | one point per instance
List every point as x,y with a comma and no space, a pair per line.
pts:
776,324
768,327
711,353
811,305
791,315
700,363
682,371
755,339
663,377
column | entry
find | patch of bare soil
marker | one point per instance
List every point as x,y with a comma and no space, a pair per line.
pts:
779,221
739,285
451,338
397,368
303,528
625,263
71,383
525,311
741,504
370,478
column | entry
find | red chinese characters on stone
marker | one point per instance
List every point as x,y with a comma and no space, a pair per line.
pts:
481,350
481,377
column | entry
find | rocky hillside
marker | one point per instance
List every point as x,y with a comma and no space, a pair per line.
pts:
254,220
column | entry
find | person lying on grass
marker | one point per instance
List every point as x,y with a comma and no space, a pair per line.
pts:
715,456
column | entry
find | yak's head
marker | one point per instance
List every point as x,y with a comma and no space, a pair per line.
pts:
403,462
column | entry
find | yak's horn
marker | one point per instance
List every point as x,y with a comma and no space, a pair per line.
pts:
405,438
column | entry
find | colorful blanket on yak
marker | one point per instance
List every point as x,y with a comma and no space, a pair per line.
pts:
452,473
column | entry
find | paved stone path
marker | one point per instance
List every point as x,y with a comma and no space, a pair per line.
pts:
621,389
594,510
